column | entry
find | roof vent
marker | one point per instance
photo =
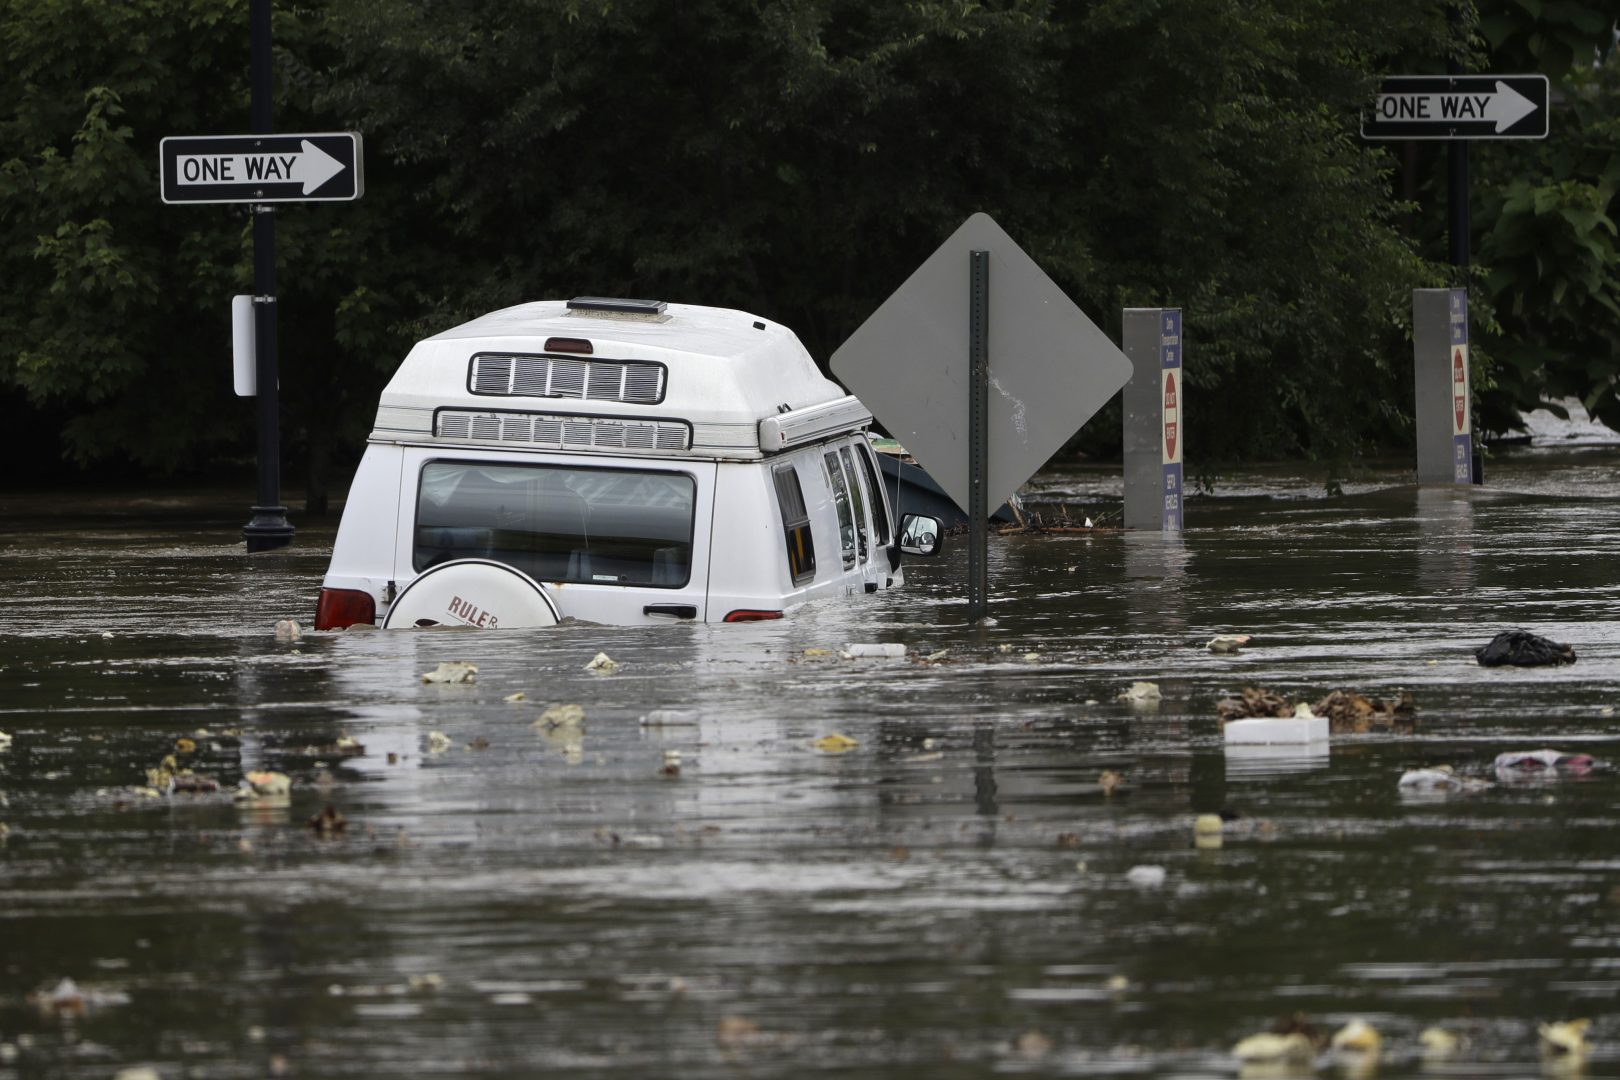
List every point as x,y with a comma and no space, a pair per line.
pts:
616,305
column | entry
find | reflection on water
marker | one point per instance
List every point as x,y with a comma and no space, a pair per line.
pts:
522,902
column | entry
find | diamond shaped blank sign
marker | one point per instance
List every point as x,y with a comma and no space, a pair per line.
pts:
1050,368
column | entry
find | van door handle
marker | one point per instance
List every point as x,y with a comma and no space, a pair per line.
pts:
680,611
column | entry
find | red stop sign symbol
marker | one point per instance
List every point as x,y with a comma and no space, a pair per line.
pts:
1170,415
1459,389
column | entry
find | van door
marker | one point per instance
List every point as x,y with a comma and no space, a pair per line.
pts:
611,540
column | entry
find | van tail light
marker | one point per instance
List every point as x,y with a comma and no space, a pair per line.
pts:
752,615
340,608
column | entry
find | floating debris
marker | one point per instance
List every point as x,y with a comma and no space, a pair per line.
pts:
1109,781
671,718
882,650
1141,693
836,743
263,785
329,822
1301,728
1208,831
452,671
184,745
1440,779
1520,648
561,717
519,696
426,983
1227,644
817,653
672,763
1544,765
138,1072
1294,1047
1350,713
1347,712
1438,1043
1146,877
1253,702
1357,1037
5,741
602,664
438,742
1564,1039
68,999
288,630
733,1032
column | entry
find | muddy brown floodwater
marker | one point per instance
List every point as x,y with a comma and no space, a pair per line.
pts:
952,897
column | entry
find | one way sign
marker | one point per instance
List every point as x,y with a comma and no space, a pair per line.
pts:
325,167
1459,107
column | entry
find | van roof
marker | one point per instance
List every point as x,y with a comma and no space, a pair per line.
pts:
716,370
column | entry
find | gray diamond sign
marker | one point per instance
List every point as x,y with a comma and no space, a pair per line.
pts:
1050,367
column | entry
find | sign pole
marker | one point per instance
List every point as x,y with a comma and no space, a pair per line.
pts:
269,528
978,433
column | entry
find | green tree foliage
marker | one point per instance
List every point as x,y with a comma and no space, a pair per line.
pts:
796,158
1549,251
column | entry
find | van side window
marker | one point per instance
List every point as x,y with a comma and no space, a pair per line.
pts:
856,492
801,547
846,521
874,484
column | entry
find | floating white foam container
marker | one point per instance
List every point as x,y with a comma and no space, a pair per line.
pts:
1277,731
888,650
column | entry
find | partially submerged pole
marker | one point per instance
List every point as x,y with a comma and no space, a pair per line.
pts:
268,529
978,433
1155,422
1445,441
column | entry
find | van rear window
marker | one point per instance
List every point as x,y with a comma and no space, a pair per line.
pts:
588,526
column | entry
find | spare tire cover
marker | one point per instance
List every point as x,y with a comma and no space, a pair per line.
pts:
472,592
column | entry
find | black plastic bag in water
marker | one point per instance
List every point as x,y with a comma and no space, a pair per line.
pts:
1523,649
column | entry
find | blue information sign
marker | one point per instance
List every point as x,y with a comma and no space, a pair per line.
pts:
1462,438
1170,366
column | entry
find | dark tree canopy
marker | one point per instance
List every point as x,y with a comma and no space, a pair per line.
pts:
796,159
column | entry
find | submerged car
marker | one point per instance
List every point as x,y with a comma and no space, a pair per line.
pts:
614,461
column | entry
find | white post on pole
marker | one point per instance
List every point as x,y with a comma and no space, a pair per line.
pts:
244,347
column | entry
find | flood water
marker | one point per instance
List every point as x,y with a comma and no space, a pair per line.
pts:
953,897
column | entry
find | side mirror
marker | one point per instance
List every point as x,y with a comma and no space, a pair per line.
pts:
920,535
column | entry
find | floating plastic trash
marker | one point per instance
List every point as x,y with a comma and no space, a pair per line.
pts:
1544,764
671,718
1275,730
1520,648
836,743
1228,643
288,630
453,671
1141,693
1146,877
1439,779
602,664
885,650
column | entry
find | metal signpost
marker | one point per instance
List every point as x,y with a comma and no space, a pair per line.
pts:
1445,444
261,169
1455,108
1155,419
982,368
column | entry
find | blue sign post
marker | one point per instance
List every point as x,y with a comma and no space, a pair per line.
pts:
1170,364
1462,439
1155,420
1444,416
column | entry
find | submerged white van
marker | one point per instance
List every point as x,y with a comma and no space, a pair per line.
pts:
614,461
